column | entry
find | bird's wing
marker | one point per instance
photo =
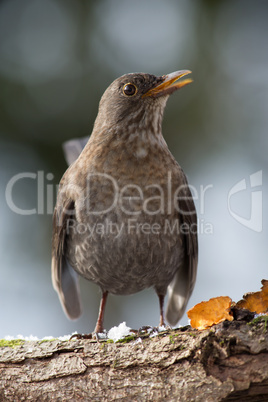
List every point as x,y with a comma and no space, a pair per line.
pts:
73,148
64,278
181,287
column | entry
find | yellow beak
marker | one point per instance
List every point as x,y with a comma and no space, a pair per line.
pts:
169,84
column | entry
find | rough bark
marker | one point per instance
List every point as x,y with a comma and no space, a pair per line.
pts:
227,362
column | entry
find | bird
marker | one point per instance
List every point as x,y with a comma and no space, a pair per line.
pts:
125,218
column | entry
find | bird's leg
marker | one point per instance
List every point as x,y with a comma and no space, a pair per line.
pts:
99,324
161,304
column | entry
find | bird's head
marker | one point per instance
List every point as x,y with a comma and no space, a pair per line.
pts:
137,100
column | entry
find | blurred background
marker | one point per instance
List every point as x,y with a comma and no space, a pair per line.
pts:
56,59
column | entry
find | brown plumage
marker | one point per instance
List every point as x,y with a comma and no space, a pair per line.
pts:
124,217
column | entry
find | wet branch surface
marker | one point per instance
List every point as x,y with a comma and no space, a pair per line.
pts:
225,363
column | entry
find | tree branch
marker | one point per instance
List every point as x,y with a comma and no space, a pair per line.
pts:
226,362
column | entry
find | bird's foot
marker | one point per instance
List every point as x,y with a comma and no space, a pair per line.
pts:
92,335
148,330
145,330
81,336
164,327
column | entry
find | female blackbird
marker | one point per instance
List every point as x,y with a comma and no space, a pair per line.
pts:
125,218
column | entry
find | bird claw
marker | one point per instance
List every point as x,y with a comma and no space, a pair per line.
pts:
144,330
148,329
81,336
164,327
92,335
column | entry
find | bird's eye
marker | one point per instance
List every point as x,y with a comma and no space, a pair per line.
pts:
129,89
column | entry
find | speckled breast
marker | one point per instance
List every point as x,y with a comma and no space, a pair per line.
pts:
126,237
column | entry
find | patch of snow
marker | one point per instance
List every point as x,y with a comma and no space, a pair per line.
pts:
256,315
154,333
115,333
119,332
66,337
102,335
35,338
